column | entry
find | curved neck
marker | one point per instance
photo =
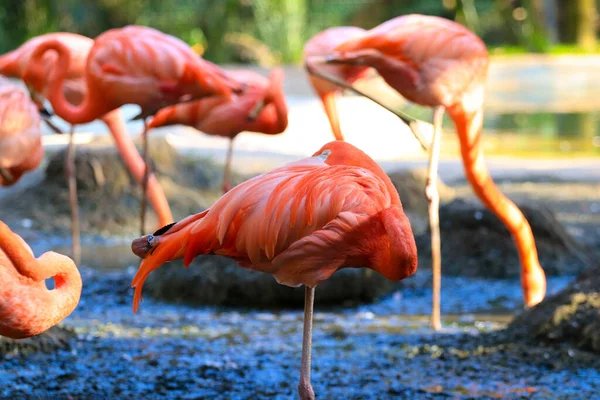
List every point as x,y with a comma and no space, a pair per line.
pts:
90,109
67,284
17,253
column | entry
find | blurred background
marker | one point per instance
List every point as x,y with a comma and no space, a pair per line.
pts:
542,87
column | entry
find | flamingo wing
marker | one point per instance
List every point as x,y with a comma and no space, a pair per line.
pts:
264,217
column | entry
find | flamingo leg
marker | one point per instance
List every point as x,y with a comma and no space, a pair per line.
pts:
433,199
72,184
305,389
227,171
143,200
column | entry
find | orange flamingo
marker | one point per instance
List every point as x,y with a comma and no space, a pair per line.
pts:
322,44
130,65
27,307
15,64
300,223
21,147
438,63
229,117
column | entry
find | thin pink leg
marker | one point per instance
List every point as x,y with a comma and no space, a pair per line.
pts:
305,389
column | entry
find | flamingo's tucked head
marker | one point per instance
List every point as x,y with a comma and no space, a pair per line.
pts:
394,254
340,152
143,245
315,51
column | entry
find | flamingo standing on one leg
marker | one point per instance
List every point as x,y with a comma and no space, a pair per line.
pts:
21,147
228,117
300,223
27,307
15,63
438,63
131,65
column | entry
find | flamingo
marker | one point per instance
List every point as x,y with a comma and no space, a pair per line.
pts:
14,64
229,117
322,44
300,223
27,307
438,63
130,65
21,147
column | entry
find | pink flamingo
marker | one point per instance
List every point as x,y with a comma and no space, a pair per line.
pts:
21,147
228,117
438,63
130,65
301,223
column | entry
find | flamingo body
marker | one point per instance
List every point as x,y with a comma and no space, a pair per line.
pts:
21,147
228,117
300,223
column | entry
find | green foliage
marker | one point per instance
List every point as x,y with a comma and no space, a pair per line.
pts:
275,30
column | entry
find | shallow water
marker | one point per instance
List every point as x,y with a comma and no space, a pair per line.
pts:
375,351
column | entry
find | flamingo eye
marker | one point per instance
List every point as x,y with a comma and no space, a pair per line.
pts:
151,240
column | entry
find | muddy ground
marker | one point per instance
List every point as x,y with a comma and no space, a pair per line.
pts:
376,350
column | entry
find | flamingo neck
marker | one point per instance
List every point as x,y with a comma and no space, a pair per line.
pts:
92,106
67,285
15,250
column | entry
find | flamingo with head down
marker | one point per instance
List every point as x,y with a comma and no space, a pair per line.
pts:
228,117
130,65
438,63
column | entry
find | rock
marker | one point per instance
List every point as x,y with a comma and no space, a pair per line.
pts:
570,316
476,243
108,195
213,280
55,338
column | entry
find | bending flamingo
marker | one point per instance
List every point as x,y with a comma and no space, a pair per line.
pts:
15,64
21,147
130,65
300,223
229,117
438,63
27,307
322,44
